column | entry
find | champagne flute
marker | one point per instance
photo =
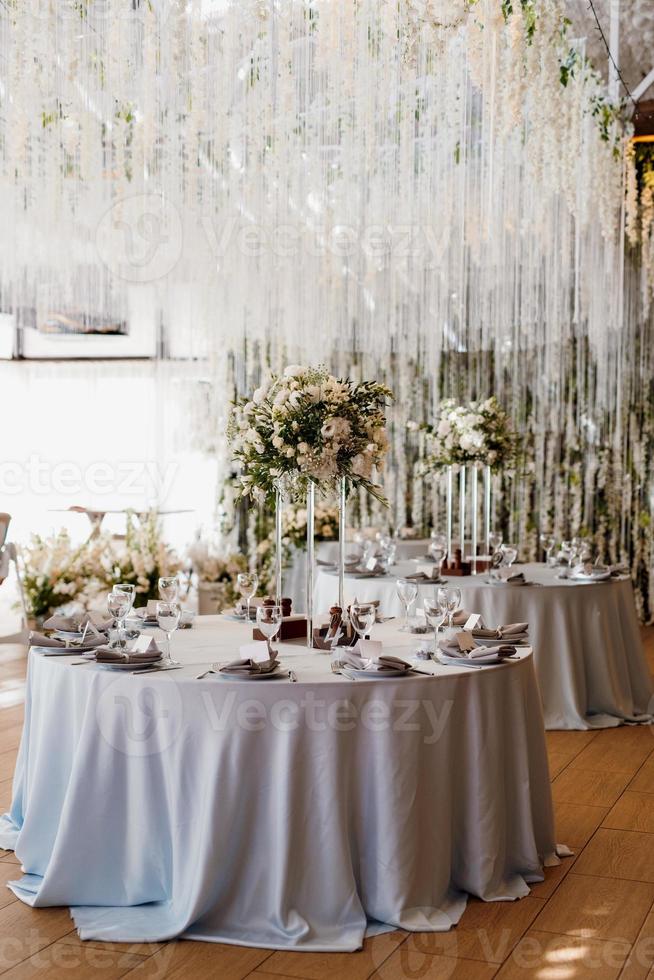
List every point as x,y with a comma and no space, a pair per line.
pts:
119,604
362,617
168,616
435,617
169,588
269,620
247,583
407,592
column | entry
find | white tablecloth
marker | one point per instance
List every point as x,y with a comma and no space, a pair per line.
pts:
589,658
276,814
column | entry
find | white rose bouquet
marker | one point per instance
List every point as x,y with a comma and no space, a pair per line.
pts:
479,433
306,425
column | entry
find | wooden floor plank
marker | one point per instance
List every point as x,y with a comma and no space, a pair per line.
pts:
618,854
543,956
600,908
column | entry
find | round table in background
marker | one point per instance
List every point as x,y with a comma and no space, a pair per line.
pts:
277,814
588,653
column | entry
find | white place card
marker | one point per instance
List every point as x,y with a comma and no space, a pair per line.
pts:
144,644
370,649
371,564
472,622
427,568
256,651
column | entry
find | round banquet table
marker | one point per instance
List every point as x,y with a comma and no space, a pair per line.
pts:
276,814
589,659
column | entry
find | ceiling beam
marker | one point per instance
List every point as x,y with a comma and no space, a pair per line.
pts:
640,89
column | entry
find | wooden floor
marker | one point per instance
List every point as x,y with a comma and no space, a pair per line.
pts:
592,917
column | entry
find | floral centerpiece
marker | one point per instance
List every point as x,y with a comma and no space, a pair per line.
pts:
55,573
143,558
217,570
478,433
308,426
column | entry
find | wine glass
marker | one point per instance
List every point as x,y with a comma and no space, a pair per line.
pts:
567,553
168,616
495,540
407,592
119,604
547,543
362,617
269,620
449,601
389,551
168,588
246,583
510,554
435,616
437,552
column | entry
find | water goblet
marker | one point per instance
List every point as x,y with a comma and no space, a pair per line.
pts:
269,621
407,592
435,617
168,588
547,543
438,553
510,553
495,540
168,617
119,604
362,617
246,583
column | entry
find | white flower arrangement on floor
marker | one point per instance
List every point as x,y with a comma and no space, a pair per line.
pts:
308,426
217,567
478,433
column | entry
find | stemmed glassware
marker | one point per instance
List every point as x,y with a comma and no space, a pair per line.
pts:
547,543
247,583
435,617
119,604
495,540
168,616
510,553
449,601
407,592
269,620
438,552
169,588
362,617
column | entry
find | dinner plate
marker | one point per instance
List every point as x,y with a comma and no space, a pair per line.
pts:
68,634
271,675
353,674
128,666
466,662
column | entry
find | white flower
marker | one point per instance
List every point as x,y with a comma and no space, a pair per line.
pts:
294,370
336,428
259,395
362,465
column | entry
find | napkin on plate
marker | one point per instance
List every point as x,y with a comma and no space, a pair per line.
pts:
250,666
384,663
595,573
514,632
41,640
479,652
112,655
460,617
76,624
510,576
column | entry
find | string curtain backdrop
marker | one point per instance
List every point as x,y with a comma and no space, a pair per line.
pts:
431,193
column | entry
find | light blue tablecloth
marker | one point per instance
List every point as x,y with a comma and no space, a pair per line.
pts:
276,814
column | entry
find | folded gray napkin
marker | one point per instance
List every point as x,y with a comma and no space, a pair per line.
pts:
421,577
76,624
249,666
41,640
510,576
109,655
385,663
479,652
511,631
